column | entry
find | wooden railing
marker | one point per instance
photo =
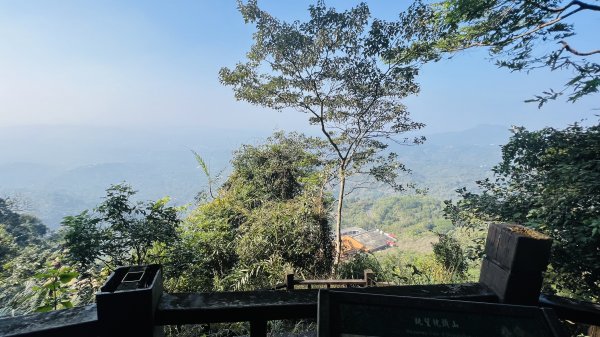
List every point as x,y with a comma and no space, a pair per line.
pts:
258,307
143,312
291,283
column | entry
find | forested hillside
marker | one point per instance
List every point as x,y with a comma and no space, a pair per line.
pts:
415,215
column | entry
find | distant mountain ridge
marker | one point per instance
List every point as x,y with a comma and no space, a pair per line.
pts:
481,135
63,170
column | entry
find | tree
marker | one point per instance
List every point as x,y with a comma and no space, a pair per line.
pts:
17,278
521,35
120,231
205,250
338,69
280,185
24,251
25,229
269,216
293,230
448,252
8,246
354,268
280,169
548,180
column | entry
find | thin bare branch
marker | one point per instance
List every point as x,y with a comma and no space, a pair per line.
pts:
581,4
570,49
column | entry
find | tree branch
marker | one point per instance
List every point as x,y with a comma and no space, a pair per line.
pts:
560,17
581,4
326,133
568,48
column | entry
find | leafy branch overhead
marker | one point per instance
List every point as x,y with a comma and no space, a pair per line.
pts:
521,35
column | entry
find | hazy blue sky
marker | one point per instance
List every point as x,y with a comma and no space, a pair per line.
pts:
155,63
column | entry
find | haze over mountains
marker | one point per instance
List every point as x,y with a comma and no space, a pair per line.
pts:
62,170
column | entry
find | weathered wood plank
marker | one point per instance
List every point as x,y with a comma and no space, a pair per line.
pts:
274,305
332,282
76,322
236,306
356,314
466,291
573,310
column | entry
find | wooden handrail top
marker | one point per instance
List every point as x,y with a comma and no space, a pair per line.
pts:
325,282
197,308
574,310
74,322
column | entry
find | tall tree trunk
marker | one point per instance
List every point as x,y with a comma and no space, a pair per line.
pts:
338,222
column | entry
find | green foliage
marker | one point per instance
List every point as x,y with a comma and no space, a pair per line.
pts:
278,170
410,269
204,252
118,232
448,253
121,232
8,246
293,230
269,217
83,238
17,281
24,250
521,35
261,274
24,229
548,180
355,267
455,258
54,290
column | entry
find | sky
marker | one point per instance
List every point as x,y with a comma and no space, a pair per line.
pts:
155,64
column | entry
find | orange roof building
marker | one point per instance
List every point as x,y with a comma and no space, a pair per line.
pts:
357,239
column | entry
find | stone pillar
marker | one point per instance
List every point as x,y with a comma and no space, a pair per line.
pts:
128,300
515,259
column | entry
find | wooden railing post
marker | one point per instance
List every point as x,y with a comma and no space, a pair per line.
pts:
369,278
515,258
258,329
289,282
127,302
